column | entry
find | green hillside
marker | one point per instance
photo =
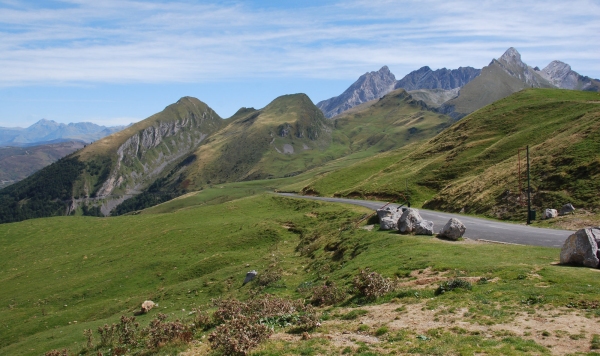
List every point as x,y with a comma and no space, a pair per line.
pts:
100,176
473,164
64,275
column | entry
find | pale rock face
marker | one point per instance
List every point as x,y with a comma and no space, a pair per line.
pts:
512,64
388,218
550,214
409,220
424,227
581,248
369,86
178,134
453,230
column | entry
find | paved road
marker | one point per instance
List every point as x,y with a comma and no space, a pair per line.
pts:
476,228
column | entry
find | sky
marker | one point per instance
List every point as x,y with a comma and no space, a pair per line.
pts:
113,62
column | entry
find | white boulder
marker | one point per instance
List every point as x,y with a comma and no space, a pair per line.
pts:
550,214
453,230
424,227
409,220
581,248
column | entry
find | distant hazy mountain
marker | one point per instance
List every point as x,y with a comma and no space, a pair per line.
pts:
425,78
49,131
369,86
17,163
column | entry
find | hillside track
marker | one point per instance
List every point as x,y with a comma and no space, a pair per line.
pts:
477,228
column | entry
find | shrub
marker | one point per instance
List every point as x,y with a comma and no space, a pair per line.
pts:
161,332
127,330
327,294
107,334
268,277
201,319
451,285
372,285
238,335
63,352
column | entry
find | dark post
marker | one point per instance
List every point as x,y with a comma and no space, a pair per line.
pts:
528,191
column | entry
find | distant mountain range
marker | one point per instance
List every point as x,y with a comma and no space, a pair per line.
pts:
49,131
458,92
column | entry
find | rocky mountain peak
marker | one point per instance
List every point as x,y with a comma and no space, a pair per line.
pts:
371,85
511,56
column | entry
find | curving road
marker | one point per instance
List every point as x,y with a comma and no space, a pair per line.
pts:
477,229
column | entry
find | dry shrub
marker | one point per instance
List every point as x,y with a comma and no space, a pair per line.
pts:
62,352
327,294
268,277
161,332
238,335
89,336
372,285
128,330
107,333
202,319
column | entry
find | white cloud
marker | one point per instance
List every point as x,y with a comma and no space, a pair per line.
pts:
133,41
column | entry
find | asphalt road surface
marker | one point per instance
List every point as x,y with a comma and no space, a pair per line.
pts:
477,229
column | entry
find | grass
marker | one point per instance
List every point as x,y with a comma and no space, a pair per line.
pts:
473,165
63,275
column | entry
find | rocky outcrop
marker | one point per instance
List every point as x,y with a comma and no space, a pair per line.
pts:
581,248
550,213
562,76
409,220
369,86
453,230
425,78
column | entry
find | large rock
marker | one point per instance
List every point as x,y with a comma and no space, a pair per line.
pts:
388,218
409,220
424,227
453,230
581,248
550,214
567,209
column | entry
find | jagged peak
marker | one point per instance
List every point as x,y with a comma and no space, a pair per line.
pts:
556,66
511,56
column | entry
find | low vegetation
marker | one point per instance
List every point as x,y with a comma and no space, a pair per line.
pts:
186,258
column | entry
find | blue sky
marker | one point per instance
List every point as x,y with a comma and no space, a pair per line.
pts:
118,61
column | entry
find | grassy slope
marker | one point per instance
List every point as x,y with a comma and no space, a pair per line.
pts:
491,85
246,147
56,271
474,162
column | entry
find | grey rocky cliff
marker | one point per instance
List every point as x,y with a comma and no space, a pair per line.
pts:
447,79
369,86
562,76
512,64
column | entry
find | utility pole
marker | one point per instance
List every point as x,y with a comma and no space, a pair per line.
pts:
528,190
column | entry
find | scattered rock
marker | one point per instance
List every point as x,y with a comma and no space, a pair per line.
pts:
388,218
368,227
388,224
409,220
147,305
581,248
453,230
249,277
424,227
567,209
550,214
